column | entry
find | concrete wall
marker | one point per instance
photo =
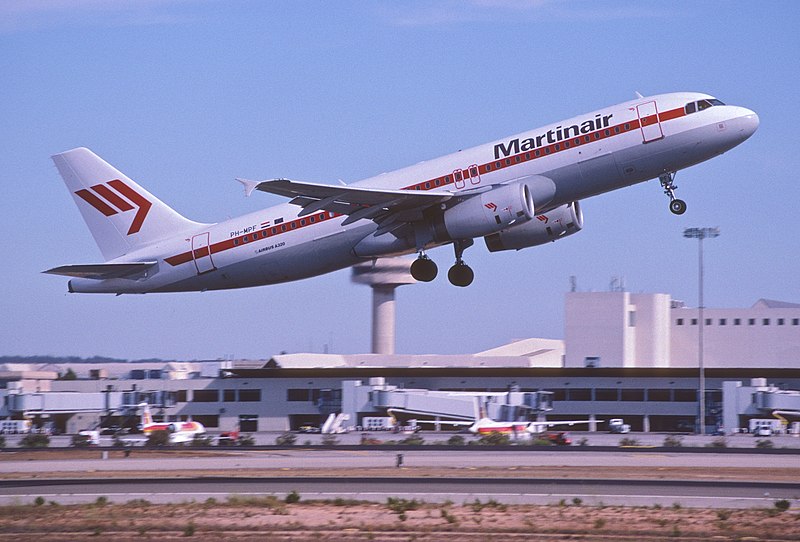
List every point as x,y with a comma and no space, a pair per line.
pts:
727,344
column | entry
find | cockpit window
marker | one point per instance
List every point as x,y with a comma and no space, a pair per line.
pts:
699,105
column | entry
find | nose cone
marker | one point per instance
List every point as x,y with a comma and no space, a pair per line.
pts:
747,123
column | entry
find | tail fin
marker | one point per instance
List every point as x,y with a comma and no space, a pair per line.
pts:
121,215
147,417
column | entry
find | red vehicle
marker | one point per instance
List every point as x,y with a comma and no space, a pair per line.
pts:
560,438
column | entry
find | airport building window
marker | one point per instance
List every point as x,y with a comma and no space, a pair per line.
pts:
559,395
709,321
180,396
632,395
780,321
250,396
679,322
579,394
209,420
606,394
766,321
632,319
229,396
659,395
205,396
297,394
796,321
737,321
694,321
751,321
723,322
685,396
248,423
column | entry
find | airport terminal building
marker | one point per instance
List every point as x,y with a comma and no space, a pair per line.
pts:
631,356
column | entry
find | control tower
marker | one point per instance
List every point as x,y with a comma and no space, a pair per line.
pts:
384,276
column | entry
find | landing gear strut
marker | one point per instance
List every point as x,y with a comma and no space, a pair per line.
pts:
424,269
677,206
461,274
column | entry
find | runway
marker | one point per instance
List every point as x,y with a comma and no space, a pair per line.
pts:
305,458
714,494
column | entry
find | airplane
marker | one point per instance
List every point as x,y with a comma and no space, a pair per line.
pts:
517,192
482,424
179,432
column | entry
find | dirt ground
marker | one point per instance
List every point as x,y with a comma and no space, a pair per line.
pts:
267,518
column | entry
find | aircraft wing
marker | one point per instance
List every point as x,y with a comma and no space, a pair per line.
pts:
382,206
100,271
541,426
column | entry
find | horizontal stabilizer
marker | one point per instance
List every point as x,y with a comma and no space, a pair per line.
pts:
102,271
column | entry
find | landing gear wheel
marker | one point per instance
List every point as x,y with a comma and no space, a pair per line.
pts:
460,275
677,206
667,180
424,269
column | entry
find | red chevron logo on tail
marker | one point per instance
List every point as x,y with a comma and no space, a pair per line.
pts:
107,198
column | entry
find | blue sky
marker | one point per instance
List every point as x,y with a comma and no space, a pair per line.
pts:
185,95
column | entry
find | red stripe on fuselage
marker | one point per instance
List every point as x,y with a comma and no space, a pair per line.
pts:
437,182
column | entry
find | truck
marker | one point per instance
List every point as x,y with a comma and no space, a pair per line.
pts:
618,425
765,427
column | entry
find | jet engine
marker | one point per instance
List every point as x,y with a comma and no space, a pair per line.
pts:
556,224
487,212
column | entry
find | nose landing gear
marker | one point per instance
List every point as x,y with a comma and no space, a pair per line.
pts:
677,206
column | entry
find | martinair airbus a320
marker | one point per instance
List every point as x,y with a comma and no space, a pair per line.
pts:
517,192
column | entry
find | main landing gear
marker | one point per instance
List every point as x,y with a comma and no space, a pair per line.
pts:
460,274
677,206
424,269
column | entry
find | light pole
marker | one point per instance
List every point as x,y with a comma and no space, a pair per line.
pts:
700,234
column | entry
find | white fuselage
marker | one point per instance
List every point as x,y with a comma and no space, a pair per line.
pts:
584,156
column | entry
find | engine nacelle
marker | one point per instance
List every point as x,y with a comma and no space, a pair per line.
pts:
556,224
489,211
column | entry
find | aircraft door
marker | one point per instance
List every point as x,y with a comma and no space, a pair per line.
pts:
474,174
649,122
201,252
